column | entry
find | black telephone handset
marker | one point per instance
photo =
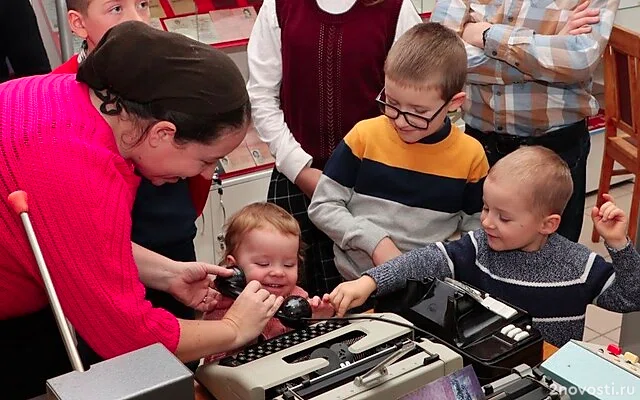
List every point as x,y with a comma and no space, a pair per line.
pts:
233,285
293,312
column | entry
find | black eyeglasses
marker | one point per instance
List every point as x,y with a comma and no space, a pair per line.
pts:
415,120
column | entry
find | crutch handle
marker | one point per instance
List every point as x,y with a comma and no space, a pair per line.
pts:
18,201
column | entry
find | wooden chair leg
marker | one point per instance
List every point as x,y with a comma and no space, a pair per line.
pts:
633,213
603,187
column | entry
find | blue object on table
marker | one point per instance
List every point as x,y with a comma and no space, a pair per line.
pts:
588,371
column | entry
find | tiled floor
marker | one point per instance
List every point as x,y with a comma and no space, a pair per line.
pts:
602,326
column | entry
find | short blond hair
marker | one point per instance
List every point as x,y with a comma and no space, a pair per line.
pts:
429,55
539,171
78,5
255,216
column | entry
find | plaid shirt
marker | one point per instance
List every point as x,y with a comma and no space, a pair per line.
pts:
528,79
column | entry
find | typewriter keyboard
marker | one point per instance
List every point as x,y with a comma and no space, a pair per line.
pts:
259,350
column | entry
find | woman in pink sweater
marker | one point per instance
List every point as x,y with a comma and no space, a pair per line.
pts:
77,146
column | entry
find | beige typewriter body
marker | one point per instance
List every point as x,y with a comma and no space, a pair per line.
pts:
252,380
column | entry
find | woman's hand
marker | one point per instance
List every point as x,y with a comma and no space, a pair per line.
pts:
191,284
250,312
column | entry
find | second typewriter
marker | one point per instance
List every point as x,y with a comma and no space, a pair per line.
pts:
334,359
490,334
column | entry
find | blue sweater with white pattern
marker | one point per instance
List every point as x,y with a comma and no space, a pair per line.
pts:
554,284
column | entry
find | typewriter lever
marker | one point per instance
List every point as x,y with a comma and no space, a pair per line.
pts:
380,370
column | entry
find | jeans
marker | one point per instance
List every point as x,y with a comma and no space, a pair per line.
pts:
573,153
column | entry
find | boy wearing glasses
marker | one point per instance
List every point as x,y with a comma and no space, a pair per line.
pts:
408,177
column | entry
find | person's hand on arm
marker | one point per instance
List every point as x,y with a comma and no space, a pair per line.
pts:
569,57
486,68
483,70
580,20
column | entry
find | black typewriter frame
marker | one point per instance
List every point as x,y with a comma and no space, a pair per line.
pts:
405,303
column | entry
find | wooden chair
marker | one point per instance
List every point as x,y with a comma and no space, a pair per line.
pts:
622,117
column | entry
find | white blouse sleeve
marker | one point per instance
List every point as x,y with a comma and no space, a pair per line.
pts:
265,77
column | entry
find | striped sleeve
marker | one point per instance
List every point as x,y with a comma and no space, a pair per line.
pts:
619,291
435,260
328,209
344,164
472,197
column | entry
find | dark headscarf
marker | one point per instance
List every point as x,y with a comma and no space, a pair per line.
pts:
138,63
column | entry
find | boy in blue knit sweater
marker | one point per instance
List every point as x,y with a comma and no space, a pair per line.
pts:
518,257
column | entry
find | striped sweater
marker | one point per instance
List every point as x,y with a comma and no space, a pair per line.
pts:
376,186
554,284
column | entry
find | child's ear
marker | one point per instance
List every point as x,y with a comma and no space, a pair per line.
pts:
231,261
550,224
457,101
76,23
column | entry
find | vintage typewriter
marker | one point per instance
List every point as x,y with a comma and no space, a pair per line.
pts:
369,356
491,335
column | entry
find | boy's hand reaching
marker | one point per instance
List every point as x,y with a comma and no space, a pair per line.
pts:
351,294
321,307
610,222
